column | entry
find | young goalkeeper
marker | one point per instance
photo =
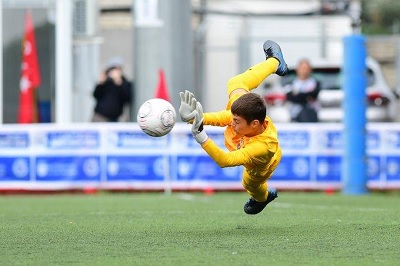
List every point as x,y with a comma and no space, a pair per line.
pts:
250,135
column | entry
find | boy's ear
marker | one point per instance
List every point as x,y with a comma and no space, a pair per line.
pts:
255,123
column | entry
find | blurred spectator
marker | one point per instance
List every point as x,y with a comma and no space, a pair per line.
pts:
113,93
302,94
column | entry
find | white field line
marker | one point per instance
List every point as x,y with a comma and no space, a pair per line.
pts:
191,197
324,207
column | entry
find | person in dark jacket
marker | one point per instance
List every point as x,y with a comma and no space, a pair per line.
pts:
112,93
303,93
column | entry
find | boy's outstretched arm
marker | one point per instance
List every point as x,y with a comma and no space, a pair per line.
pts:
222,158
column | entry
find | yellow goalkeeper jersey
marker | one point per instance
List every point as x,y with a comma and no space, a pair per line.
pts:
259,154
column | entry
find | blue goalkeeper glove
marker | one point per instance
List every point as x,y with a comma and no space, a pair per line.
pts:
197,128
187,108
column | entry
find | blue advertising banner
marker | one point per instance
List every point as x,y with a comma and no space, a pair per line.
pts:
73,139
60,157
12,140
130,168
130,139
393,140
67,168
393,168
374,140
293,168
331,140
14,168
297,140
328,168
374,169
203,168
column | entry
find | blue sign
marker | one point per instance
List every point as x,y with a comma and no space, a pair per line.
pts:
14,168
374,168
332,139
135,139
14,140
68,168
393,139
298,140
73,139
140,167
203,168
328,168
294,168
187,138
373,140
393,168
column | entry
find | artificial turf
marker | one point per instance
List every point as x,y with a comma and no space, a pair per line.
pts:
298,228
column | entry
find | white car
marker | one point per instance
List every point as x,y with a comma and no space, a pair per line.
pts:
381,100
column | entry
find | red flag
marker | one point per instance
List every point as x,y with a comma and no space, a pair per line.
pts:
30,75
162,90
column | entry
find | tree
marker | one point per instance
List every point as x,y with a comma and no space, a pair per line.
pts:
380,16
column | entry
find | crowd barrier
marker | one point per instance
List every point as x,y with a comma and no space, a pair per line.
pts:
119,156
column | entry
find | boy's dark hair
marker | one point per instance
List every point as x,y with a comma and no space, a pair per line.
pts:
251,107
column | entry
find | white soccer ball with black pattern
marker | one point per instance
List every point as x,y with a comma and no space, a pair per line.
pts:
156,117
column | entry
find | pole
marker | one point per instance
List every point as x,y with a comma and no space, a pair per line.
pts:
162,40
63,61
355,82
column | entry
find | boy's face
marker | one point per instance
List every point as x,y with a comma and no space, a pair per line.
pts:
239,124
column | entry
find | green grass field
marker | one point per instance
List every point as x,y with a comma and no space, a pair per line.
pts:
197,229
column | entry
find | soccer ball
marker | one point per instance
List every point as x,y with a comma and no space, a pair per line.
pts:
156,117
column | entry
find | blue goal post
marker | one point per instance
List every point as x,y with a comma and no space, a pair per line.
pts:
355,83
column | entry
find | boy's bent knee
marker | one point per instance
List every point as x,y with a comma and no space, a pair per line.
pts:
235,83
